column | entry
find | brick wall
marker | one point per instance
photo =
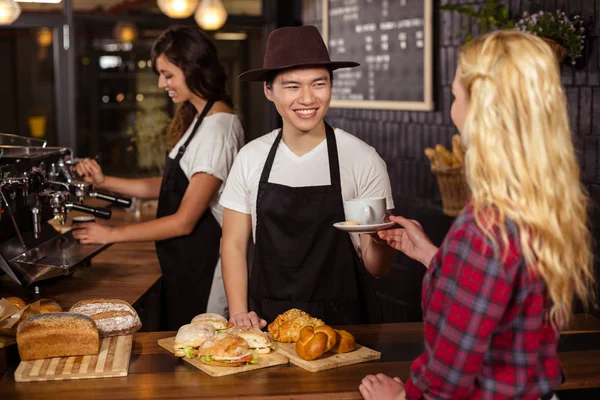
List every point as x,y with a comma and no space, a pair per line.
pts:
401,136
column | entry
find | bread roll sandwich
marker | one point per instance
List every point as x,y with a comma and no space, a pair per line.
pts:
286,327
256,339
57,335
190,337
113,317
216,320
226,351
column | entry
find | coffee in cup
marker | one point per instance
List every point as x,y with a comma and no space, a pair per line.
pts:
366,211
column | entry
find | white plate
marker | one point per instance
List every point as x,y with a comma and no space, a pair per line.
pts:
363,228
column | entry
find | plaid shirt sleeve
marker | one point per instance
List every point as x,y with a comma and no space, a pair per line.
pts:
466,298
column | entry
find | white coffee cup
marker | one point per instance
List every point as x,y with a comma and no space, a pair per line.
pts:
83,218
365,211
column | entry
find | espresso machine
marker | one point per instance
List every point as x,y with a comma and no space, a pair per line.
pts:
37,185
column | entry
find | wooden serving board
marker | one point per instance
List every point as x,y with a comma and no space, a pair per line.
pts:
264,361
7,341
112,361
328,360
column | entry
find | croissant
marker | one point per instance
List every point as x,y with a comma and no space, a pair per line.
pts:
286,327
314,342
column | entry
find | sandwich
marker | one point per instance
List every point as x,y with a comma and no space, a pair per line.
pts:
256,339
217,321
226,351
190,337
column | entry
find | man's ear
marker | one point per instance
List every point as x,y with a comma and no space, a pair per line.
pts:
268,92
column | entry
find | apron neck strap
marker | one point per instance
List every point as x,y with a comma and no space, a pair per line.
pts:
183,147
334,163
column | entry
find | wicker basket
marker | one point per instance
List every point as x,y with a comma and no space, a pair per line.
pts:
559,50
453,188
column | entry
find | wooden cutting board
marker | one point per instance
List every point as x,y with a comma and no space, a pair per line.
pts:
112,361
7,341
328,360
264,361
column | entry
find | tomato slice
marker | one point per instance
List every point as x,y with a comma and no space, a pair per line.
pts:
244,359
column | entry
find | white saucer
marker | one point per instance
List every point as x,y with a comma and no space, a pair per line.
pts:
363,228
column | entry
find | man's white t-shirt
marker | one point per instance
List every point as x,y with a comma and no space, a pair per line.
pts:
212,150
362,171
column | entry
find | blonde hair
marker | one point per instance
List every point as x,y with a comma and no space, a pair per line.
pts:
520,161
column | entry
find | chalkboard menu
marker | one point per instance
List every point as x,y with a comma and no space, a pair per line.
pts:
392,40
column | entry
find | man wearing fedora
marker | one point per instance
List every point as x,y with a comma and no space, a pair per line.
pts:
287,188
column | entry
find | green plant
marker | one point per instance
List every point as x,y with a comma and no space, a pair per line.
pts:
558,27
489,16
148,138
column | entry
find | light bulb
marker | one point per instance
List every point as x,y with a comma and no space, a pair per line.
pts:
177,8
9,12
211,15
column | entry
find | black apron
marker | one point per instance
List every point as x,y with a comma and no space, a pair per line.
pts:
300,259
187,262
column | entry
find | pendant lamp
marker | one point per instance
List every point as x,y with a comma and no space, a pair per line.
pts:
211,15
177,8
125,32
9,12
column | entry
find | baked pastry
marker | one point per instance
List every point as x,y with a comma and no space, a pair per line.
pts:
17,302
314,342
190,337
57,335
345,342
216,320
112,316
255,338
49,306
351,223
286,327
226,351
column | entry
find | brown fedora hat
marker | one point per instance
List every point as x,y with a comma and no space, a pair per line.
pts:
292,47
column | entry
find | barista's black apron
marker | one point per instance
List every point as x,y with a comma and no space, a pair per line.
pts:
187,262
301,260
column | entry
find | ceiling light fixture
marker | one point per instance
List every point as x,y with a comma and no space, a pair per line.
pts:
177,8
211,15
9,12
125,32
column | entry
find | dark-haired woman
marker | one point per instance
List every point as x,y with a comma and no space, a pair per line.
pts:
203,140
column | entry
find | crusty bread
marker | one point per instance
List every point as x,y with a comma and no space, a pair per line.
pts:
57,335
114,317
49,306
17,302
255,338
286,327
345,342
216,320
222,364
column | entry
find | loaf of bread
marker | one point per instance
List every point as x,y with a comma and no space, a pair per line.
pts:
49,306
345,342
17,302
286,327
57,335
112,316
314,342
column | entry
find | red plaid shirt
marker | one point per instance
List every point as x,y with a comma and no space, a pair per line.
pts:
487,335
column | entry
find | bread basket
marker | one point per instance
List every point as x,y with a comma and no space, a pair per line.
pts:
454,189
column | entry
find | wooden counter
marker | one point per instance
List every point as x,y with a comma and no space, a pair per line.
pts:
156,374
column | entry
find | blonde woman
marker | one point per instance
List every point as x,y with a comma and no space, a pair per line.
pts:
503,282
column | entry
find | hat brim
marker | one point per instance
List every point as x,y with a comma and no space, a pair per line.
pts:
259,75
